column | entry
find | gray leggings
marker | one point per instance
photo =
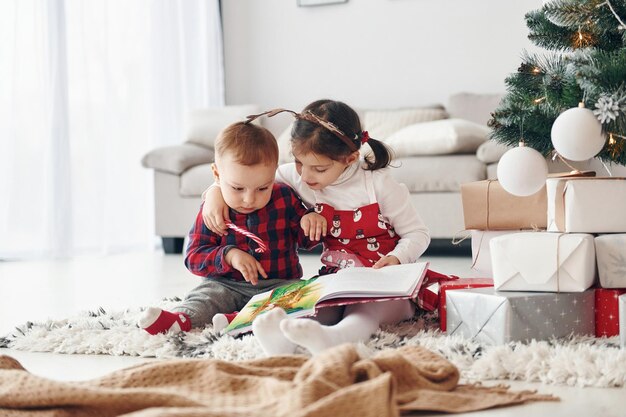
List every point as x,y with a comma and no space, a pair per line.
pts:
222,295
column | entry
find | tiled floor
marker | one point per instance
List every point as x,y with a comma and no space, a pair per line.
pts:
38,290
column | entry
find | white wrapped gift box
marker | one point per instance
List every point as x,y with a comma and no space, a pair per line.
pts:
611,258
543,261
586,205
481,253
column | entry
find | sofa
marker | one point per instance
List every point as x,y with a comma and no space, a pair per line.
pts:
438,148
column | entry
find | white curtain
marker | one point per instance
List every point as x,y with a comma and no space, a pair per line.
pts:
86,89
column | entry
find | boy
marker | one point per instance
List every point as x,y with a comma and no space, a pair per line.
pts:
233,265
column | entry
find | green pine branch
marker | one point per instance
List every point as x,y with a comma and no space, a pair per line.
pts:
587,63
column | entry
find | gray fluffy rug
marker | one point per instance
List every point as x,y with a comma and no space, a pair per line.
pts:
577,361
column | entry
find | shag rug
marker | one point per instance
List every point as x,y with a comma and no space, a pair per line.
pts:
576,361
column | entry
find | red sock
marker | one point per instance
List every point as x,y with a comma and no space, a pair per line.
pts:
165,321
230,316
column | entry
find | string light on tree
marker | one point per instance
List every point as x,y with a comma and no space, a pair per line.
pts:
577,134
582,39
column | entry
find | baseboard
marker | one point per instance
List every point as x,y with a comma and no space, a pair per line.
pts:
445,247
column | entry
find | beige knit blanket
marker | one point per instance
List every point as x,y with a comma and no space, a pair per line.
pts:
335,383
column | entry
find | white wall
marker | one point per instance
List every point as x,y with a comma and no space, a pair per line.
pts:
370,53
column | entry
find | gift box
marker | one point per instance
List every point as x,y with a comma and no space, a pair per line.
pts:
611,259
487,206
621,301
607,311
481,254
543,261
496,318
586,205
462,283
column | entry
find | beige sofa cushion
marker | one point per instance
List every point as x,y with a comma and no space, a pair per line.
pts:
203,125
284,145
380,124
439,137
442,173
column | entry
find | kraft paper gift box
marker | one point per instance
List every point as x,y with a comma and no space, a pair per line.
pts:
487,206
586,205
461,283
481,254
543,261
611,258
607,311
496,318
622,320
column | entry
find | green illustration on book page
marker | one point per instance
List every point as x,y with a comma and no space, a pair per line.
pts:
292,298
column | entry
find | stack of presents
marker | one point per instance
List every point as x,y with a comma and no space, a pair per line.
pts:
557,260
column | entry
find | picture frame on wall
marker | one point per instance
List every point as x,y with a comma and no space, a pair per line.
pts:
309,3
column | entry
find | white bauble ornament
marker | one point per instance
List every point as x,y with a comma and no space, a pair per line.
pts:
577,134
522,171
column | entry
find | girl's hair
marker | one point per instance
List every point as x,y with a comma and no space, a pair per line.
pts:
249,144
307,136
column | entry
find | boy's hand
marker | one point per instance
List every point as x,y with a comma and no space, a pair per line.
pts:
214,211
314,226
386,260
245,263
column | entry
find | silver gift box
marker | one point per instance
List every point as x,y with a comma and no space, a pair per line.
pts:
622,320
496,318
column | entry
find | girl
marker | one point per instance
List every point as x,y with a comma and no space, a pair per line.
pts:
367,214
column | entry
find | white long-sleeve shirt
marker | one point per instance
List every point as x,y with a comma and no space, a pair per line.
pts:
349,192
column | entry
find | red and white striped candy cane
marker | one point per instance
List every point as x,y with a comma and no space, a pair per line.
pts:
262,246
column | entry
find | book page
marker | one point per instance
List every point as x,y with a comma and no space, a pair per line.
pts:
390,281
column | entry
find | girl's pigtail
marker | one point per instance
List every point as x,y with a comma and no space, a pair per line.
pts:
382,155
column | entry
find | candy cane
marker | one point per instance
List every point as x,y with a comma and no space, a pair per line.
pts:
262,246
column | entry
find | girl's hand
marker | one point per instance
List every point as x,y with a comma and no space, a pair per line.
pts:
214,211
245,263
314,226
386,260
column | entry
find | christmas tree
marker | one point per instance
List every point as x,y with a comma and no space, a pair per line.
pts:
585,62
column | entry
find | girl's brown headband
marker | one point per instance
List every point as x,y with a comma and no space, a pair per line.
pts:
309,116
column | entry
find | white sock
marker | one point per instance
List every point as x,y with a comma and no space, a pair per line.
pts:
360,321
310,334
266,328
219,322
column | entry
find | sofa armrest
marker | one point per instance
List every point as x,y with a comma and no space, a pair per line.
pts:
177,159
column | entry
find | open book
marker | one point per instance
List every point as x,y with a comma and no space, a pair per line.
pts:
348,286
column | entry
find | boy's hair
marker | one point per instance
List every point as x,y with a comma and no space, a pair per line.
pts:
249,144
313,137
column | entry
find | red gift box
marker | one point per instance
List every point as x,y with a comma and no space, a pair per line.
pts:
462,283
607,311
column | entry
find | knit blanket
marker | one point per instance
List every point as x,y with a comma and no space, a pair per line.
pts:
336,382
